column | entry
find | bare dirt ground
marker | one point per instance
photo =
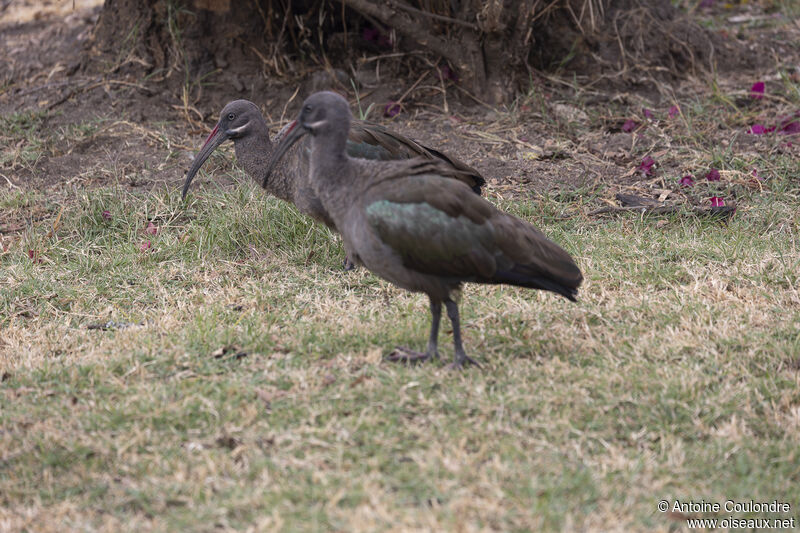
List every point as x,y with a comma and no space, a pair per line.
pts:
562,135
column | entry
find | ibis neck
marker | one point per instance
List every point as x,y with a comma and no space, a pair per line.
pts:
253,152
332,172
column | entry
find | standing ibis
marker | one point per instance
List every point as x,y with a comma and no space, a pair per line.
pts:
406,224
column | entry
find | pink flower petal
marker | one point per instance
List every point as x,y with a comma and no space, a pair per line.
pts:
757,129
716,201
754,173
712,175
151,229
392,109
674,111
374,35
34,256
629,126
646,166
106,215
145,246
647,113
687,181
370,34
446,73
790,128
757,90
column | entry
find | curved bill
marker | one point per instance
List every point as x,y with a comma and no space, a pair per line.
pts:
215,138
296,131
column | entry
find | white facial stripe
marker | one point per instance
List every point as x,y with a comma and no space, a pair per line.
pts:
316,125
238,130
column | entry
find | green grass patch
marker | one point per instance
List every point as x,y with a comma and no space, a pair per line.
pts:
240,381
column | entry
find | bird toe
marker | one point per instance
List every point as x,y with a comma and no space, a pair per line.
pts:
401,354
463,362
348,265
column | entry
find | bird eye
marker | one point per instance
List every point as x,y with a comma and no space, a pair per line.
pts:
307,108
231,116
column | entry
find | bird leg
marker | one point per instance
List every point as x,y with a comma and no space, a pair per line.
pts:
406,355
459,357
348,264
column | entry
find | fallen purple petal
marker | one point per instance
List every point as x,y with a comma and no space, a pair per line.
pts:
145,246
706,4
687,181
151,228
674,111
757,90
757,129
789,128
716,201
646,166
392,109
106,215
712,175
374,35
629,126
370,34
754,173
34,256
446,73
647,113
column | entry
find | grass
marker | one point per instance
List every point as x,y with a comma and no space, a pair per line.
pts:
675,377
228,375
21,144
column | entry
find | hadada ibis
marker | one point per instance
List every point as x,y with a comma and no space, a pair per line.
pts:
406,224
242,122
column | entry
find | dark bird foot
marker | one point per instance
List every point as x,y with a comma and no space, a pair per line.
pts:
462,362
402,354
348,265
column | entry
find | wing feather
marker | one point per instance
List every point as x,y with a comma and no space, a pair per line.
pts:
373,141
438,227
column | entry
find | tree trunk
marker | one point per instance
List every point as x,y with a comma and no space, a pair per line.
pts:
493,45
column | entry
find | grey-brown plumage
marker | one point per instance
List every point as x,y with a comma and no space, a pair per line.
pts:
242,122
406,224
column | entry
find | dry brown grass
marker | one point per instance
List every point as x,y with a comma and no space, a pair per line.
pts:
674,377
